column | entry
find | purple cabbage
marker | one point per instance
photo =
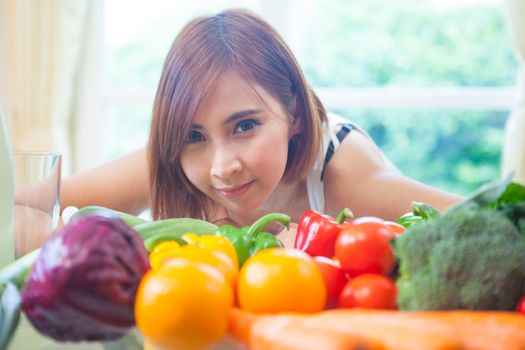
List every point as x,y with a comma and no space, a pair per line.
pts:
83,284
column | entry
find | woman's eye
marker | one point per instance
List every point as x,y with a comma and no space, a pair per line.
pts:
246,125
195,136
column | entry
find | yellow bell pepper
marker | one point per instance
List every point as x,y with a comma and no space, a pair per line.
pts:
161,252
217,243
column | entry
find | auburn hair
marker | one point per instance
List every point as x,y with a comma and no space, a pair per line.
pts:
233,40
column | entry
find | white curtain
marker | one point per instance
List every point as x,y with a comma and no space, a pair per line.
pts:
43,43
514,142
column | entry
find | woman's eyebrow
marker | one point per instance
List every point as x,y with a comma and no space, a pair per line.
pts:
232,118
241,114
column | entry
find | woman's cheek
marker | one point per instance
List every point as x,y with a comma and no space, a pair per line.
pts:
271,162
270,152
195,170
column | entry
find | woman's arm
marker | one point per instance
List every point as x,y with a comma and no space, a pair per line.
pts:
360,178
121,184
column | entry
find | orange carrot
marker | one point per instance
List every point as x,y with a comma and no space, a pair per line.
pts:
387,328
488,330
474,330
240,325
288,332
477,330
294,331
375,329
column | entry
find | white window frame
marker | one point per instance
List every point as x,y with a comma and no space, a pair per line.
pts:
457,98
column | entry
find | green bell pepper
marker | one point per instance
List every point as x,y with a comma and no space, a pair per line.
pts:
250,239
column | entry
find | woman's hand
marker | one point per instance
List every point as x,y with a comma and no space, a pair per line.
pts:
32,227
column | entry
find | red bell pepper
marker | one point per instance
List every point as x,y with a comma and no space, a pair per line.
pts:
317,233
521,306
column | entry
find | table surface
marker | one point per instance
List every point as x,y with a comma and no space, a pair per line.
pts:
27,338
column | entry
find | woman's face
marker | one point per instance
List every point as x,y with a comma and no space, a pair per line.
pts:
237,148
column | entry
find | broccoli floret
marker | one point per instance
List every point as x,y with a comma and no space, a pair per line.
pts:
467,259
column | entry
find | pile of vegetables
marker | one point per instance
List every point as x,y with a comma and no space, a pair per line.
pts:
354,255
186,283
380,329
185,300
471,256
83,283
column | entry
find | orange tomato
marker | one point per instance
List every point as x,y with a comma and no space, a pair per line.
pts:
183,305
281,280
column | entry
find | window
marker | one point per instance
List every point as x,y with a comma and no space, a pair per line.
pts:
137,41
430,80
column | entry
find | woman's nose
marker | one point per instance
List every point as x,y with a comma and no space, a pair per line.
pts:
225,163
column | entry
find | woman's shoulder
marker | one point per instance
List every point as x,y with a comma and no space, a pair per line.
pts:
357,144
335,121
333,136
356,160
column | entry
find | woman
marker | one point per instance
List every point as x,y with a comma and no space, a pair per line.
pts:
237,132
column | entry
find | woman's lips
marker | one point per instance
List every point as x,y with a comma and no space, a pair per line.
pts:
236,191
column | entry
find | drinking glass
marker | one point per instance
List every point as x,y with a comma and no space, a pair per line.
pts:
37,198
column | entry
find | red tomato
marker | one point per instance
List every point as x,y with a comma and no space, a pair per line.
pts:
334,277
369,291
364,219
395,227
521,306
365,248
